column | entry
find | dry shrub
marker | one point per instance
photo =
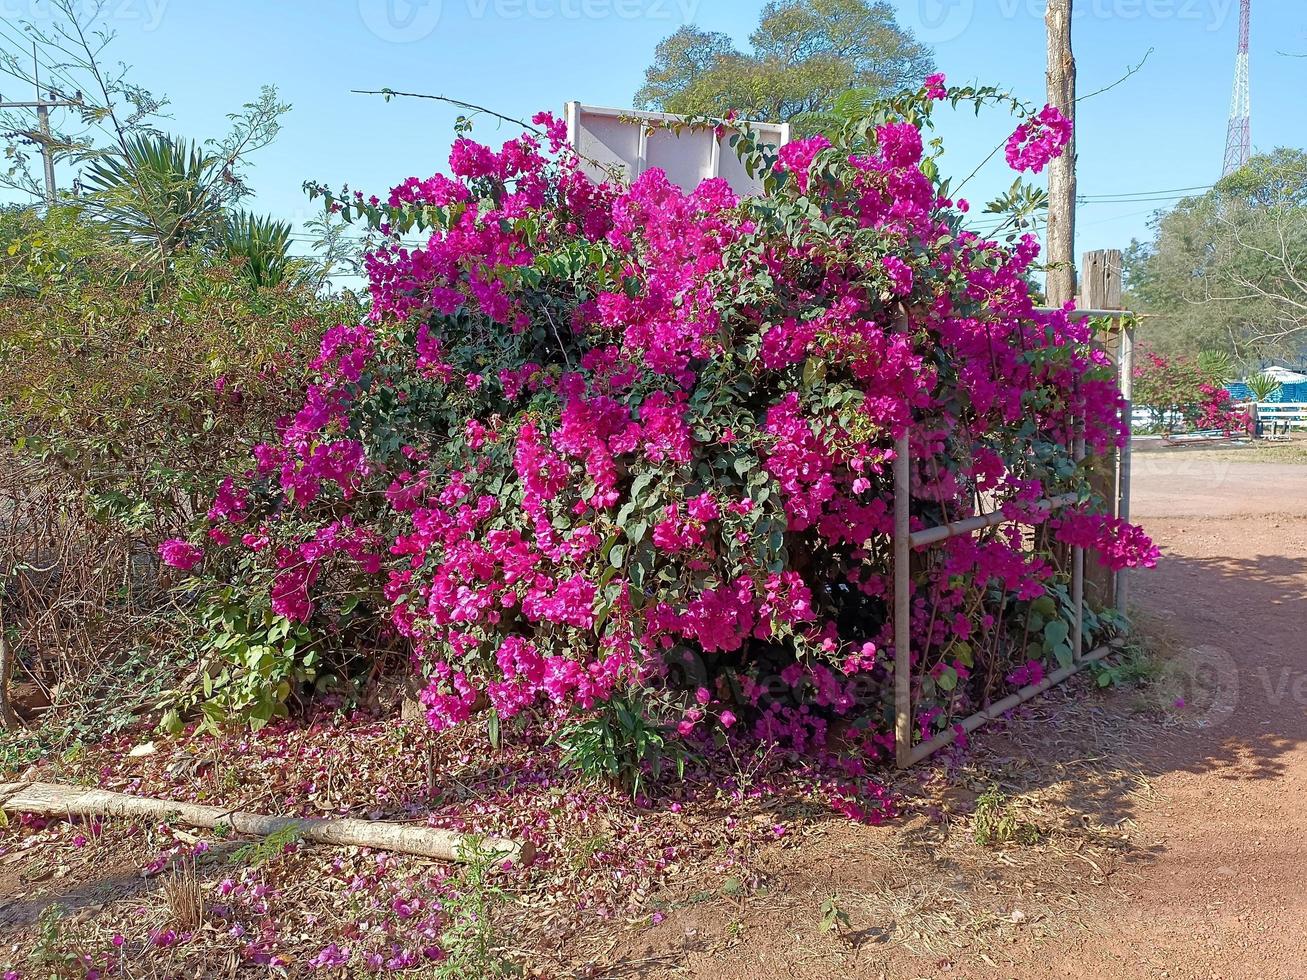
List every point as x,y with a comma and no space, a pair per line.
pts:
123,398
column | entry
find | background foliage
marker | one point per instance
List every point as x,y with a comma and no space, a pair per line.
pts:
1227,270
805,55
125,395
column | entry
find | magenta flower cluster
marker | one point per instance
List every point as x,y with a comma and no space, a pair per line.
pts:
1039,140
594,439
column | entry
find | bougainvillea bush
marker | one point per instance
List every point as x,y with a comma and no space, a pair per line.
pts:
1183,392
619,457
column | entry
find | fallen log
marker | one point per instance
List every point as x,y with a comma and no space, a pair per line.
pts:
58,800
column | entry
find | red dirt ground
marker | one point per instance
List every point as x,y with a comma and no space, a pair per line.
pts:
1172,818
1225,897
1212,881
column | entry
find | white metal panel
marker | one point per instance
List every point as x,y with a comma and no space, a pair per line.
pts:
686,157
630,142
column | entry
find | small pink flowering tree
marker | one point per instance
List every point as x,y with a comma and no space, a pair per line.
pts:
1181,390
621,456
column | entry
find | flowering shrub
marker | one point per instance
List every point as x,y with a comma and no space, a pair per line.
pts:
631,446
1216,411
1181,391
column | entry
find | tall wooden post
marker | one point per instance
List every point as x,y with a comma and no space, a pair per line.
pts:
1061,280
1100,289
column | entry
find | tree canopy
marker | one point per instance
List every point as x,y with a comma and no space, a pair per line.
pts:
1227,270
804,55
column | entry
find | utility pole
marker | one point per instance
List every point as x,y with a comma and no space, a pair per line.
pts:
1061,279
42,135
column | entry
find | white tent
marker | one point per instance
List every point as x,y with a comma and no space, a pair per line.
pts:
1285,376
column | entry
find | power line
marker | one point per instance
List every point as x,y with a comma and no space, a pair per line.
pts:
78,101
1036,227
1133,200
1125,194
1119,217
42,135
50,69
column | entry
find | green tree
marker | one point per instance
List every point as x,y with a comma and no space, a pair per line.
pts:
1227,270
804,55
261,246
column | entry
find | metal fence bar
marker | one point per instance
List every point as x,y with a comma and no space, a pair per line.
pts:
1078,562
1000,708
904,542
1083,314
942,532
1126,383
902,605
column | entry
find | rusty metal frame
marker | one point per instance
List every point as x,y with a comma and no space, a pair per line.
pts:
906,540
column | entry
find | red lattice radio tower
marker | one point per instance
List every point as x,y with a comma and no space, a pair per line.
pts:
1239,139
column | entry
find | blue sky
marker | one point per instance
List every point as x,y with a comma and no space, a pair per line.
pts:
1163,128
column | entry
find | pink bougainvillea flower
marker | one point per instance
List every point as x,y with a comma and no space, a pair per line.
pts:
796,157
330,958
1038,140
900,274
180,554
1028,673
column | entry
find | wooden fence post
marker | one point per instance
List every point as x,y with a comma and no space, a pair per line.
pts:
1100,289
1100,285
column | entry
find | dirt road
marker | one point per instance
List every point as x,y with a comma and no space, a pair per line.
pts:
1209,875
1226,894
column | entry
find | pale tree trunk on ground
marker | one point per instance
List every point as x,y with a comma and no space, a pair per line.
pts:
1061,283
59,800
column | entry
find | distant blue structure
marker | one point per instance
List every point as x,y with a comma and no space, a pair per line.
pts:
1293,387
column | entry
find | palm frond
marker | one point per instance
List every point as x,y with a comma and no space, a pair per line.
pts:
263,245
156,191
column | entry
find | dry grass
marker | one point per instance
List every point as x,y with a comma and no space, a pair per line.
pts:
1292,450
942,892
184,898
1060,767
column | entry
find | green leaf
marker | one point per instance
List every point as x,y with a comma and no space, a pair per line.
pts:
1056,632
963,652
948,679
